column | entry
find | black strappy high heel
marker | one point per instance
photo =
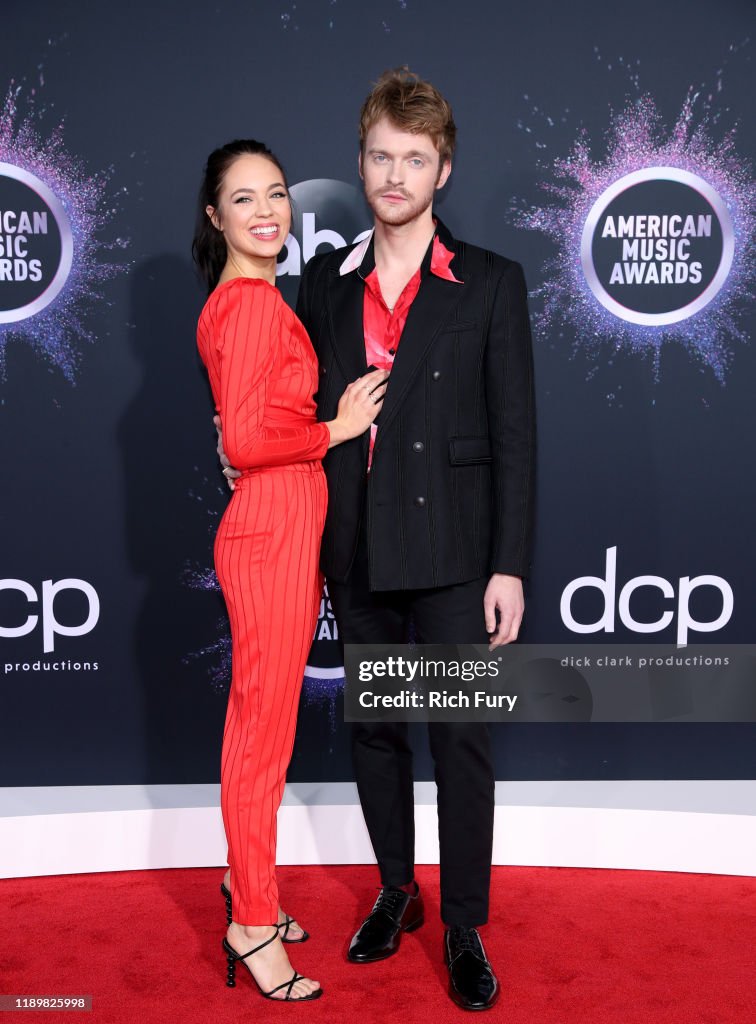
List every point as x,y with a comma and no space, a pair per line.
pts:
284,924
233,958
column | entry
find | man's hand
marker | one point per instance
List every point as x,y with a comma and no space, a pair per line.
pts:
229,472
503,594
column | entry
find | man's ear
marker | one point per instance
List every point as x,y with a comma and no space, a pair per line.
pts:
444,173
359,165
214,218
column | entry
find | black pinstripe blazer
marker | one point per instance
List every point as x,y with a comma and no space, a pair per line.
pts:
449,496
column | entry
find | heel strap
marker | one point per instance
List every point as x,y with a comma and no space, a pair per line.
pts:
243,956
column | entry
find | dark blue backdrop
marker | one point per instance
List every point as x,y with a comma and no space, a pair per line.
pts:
112,479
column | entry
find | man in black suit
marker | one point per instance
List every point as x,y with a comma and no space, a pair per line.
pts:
429,516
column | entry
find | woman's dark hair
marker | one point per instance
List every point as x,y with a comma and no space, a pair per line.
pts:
209,245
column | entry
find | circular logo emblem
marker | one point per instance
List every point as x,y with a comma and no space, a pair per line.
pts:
657,246
326,659
36,245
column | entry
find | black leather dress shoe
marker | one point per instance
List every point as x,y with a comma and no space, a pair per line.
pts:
472,982
378,937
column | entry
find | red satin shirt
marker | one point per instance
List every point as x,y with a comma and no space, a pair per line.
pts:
382,326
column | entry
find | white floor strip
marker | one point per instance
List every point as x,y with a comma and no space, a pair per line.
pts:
705,827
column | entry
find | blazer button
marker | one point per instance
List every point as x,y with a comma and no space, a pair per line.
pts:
436,375
419,502
417,446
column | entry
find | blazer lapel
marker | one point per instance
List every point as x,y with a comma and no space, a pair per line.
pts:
431,308
345,303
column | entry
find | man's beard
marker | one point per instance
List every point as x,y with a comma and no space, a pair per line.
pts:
413,207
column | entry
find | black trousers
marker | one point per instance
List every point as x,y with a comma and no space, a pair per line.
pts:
461,750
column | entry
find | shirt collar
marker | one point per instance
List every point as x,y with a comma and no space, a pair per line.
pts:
355,257
438,257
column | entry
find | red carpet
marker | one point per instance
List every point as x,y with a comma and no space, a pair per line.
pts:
569,946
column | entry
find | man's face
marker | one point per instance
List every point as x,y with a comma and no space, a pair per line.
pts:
401,172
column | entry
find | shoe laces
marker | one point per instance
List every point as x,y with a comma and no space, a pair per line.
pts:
390,900
462,939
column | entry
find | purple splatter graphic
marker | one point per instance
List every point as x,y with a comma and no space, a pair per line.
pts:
202,578
56,332
219,651
637,139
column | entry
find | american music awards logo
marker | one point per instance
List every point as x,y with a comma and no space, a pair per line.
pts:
324,671
655,240
53,253
657,246
36,244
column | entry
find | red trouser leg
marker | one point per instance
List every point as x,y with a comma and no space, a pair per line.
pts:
266,558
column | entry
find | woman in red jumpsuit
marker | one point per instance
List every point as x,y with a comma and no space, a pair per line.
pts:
263,374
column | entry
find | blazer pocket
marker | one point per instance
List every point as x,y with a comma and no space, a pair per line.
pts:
468,451
459,326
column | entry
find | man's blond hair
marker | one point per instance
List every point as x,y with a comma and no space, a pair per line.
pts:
411,105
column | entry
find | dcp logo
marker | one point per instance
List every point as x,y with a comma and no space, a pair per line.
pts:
657,246
607,586
36,244
50,625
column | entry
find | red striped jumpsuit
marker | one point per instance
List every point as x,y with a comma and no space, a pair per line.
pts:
263,373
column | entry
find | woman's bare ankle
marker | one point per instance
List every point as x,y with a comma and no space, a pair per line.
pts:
252,932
